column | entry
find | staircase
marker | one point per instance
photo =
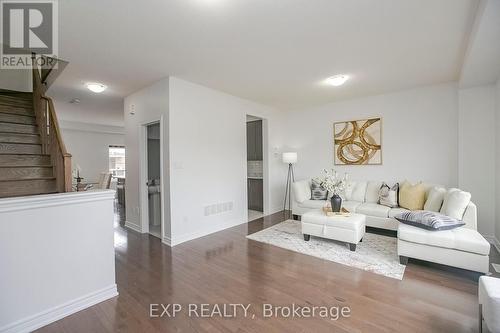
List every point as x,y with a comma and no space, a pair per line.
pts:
24,169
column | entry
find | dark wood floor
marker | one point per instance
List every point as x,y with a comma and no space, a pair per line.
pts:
225,267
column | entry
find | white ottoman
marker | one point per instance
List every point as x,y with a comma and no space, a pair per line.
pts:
489,303
349,229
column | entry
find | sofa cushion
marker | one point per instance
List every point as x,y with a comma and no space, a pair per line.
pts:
350,205
318,192
462,239
435,199
372,191
373,209
359,191
429,220
312,204
455,203
349,188
301,190
388,196
411,196
398,210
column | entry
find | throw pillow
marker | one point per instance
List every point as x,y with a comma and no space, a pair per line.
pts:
318,192
412,197
349,188
455,203
388,196
435,199
301,191
429,220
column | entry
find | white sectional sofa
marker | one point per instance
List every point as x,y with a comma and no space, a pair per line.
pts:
463,247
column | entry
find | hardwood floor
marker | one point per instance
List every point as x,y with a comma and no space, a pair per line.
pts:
225,267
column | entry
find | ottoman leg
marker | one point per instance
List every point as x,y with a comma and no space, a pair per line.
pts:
403,260
307,237
352,247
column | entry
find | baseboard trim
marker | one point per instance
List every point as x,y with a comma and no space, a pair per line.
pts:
167,241
58,312
201,233
133,227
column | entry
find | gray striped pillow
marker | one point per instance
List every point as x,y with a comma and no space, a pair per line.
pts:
429,220
318,192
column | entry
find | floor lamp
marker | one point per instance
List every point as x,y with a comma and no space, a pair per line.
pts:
290,159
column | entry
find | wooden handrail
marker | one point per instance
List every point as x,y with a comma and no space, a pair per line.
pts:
50,133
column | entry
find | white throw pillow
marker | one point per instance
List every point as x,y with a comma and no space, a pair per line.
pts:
349,187
372,192
435,199
301,191
455,203
359,191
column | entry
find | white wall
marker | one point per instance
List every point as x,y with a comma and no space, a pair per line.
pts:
419,135
56,257
88,145
476,146
208,158
16,79
150,105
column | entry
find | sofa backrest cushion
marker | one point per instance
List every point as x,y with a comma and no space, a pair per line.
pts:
435,199
301,190
372,191
349,188
455,203
412,196
359,191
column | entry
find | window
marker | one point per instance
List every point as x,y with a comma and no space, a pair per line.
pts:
117,161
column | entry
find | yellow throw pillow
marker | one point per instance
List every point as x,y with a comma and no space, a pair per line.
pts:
411,196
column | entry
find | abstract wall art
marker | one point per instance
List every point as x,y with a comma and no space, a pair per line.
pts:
358,142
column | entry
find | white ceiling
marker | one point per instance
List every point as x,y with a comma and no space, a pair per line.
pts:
482,60
274,52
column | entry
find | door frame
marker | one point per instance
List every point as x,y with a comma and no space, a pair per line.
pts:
265,166
143,176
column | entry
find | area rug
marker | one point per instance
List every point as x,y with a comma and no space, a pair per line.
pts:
376,254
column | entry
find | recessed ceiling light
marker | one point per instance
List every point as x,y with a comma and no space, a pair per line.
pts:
337,80
96,87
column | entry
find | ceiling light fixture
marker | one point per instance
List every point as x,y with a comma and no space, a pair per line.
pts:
337,80
96,87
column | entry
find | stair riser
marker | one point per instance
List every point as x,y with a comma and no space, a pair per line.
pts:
16,104
16,97
18,119
16,94
18,128
19,138
17,111
24,160
19,148
26,187
25,173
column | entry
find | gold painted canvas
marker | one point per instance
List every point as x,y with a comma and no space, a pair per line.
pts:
358,142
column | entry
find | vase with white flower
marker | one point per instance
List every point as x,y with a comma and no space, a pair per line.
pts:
335,185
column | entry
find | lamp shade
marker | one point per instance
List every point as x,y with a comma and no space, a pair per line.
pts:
289,158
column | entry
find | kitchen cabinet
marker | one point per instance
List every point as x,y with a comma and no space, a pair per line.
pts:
254,141
255,194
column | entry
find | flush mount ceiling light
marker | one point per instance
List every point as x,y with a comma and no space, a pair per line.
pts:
96,87
337,80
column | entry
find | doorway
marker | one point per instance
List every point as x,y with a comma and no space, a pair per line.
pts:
153,160
255,167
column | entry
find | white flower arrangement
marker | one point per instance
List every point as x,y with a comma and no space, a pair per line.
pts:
331,181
